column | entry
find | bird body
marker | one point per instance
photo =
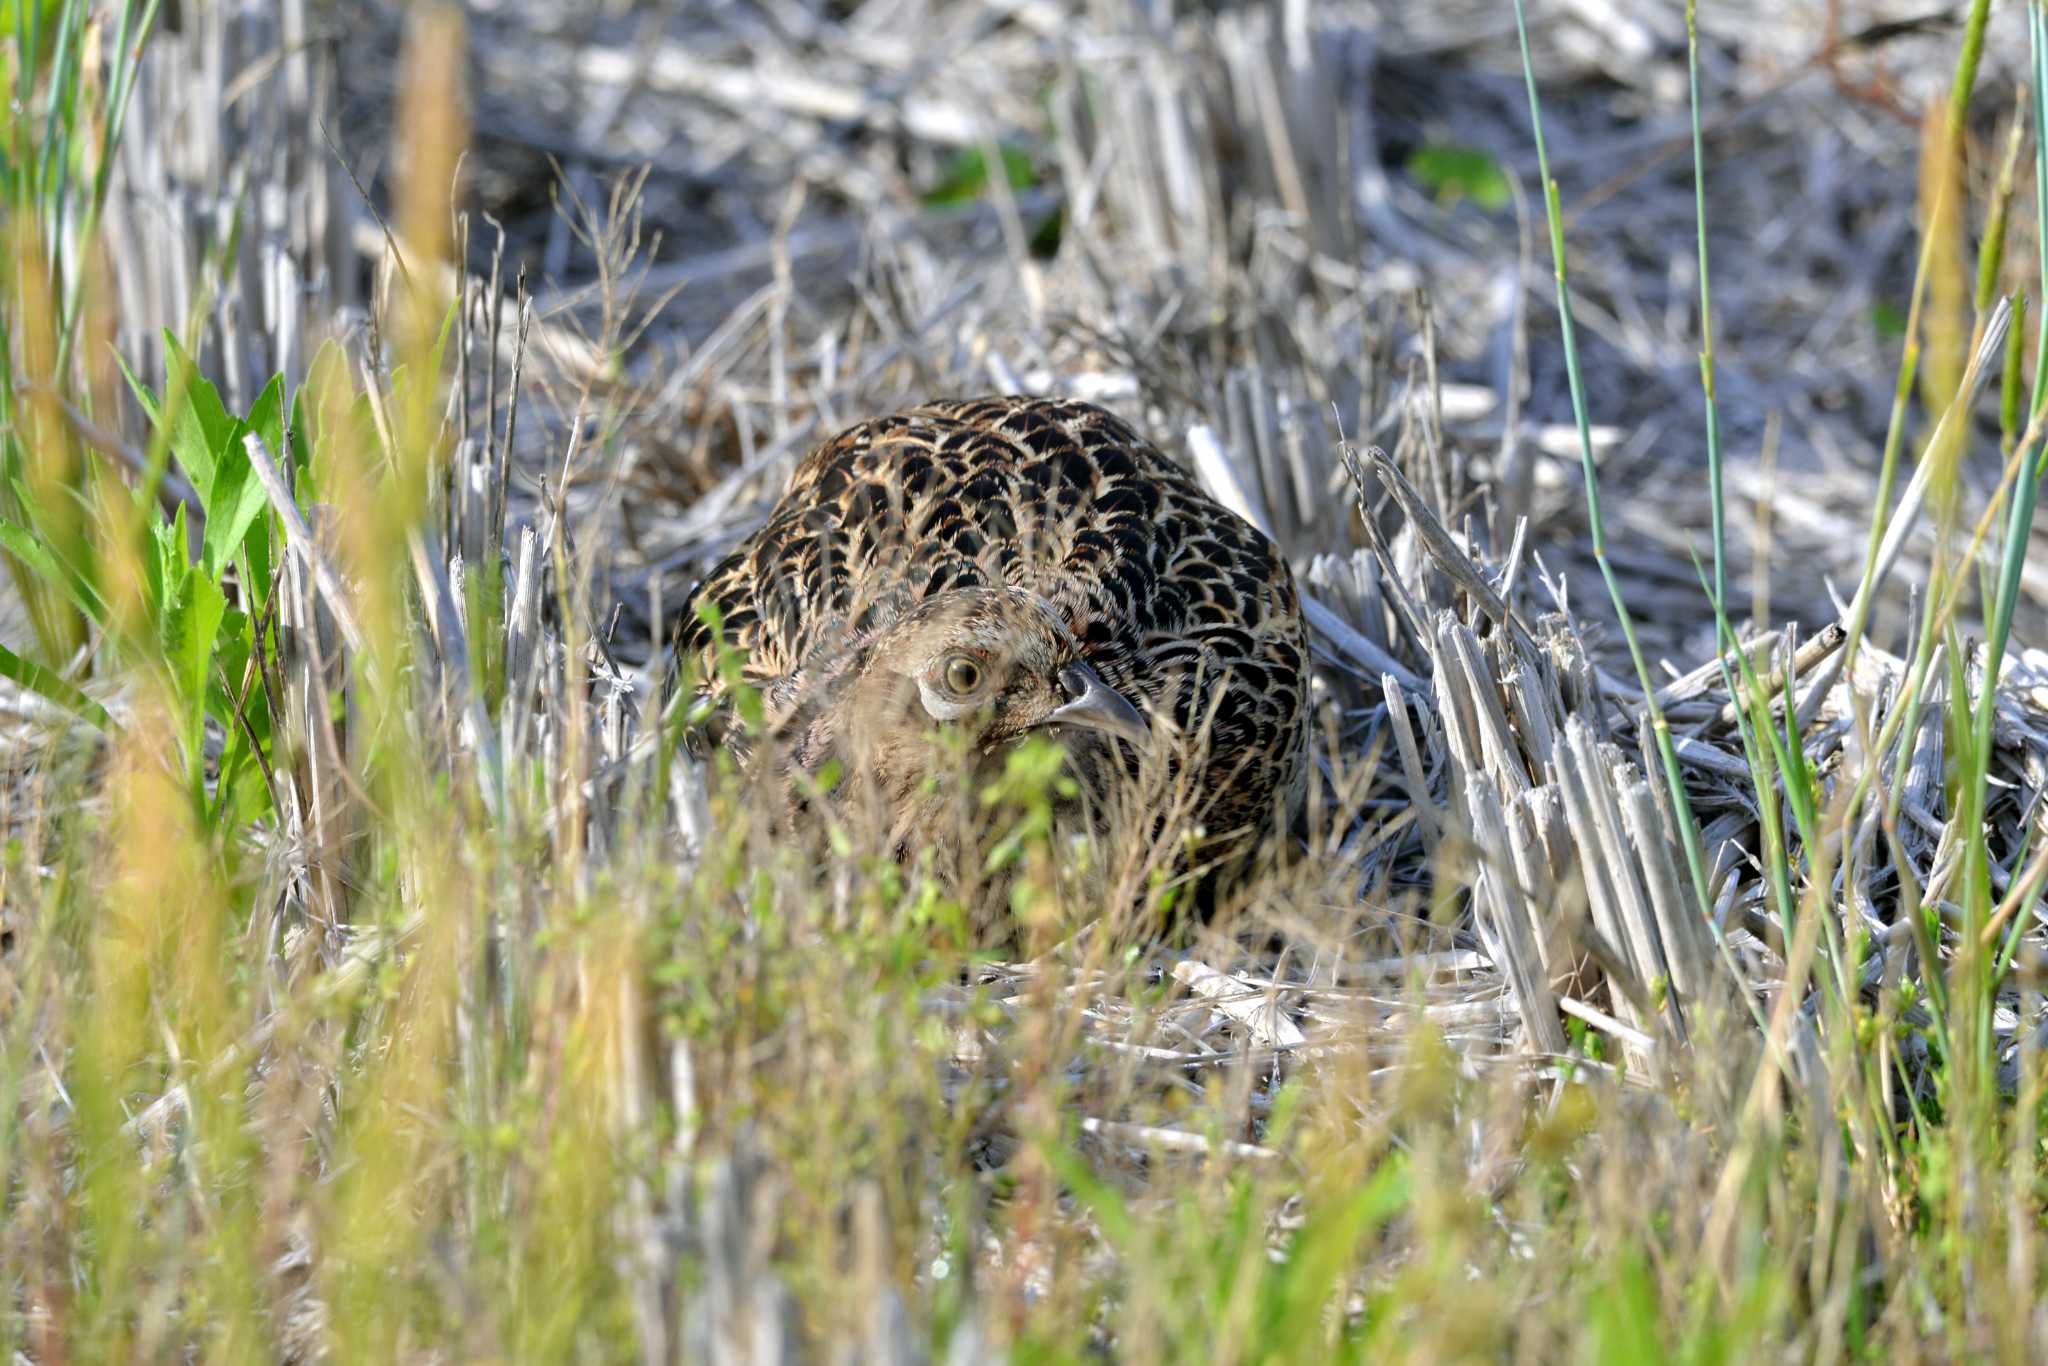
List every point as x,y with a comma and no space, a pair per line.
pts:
1044,553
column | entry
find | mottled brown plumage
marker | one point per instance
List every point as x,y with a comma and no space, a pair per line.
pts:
1072,563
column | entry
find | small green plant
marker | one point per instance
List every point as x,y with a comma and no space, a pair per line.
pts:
966,178
1453,173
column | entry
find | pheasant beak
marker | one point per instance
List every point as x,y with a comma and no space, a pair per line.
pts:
1097,706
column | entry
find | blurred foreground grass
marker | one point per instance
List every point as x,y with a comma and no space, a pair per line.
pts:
374,987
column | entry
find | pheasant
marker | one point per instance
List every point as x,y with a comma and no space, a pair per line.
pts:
939,584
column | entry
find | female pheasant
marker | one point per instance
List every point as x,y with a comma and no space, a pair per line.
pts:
946,581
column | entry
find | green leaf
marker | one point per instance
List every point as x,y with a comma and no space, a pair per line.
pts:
1327,1245
267,415
43,17
193,608
240,794
237,497
201,427
144,399
1452,172
320,428
53,687
274,425
167,568
1624,1318
967,179
46,564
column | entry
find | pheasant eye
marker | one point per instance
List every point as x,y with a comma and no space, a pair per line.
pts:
963,675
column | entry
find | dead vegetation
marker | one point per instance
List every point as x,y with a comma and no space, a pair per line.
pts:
531,1045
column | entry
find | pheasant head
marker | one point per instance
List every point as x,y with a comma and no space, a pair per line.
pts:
968,672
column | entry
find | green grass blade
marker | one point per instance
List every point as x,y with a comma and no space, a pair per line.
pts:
52,687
